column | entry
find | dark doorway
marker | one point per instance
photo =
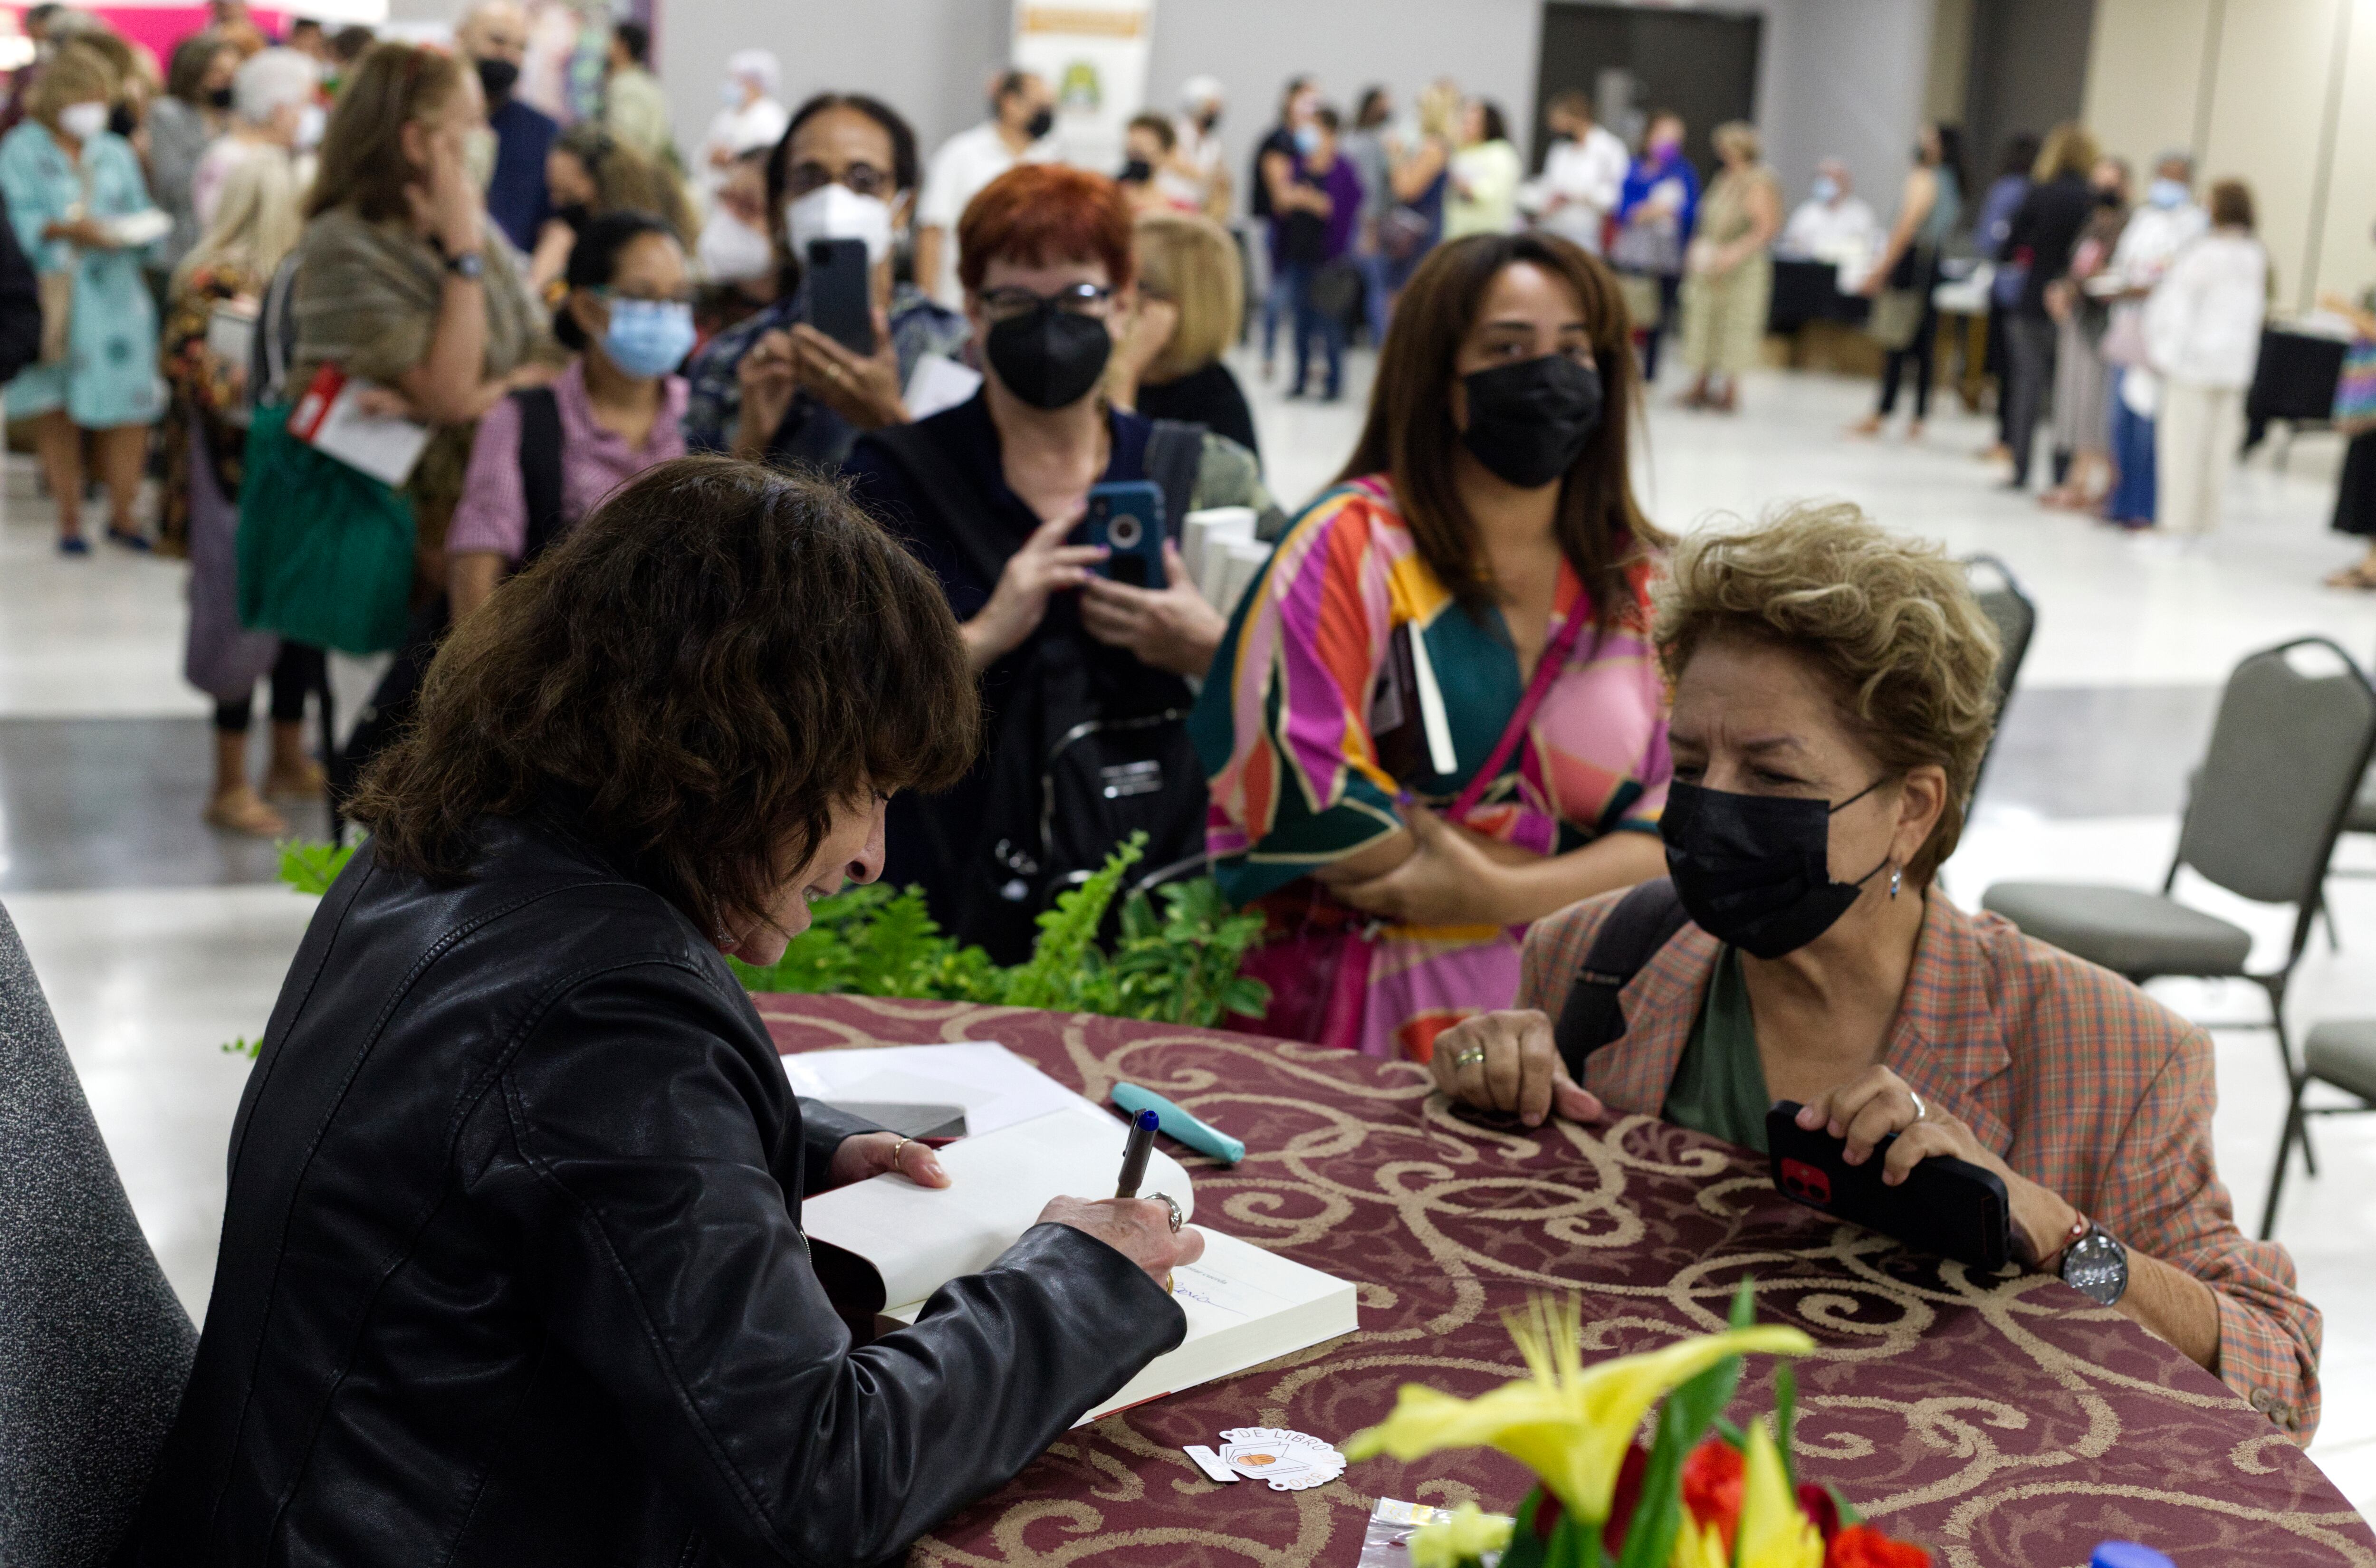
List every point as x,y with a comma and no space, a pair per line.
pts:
1631,60
2029,72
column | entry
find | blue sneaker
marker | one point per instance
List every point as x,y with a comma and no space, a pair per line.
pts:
137,544
77,545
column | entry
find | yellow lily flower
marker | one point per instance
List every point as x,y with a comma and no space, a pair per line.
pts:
1698,1548
1569,1424
1469,1533
1772,1533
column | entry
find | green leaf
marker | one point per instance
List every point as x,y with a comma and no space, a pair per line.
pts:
310,865
1849,1515
1527,1548
1744,1306
1786,1412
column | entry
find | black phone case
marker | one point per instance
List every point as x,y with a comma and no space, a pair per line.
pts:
1949,1207
839,304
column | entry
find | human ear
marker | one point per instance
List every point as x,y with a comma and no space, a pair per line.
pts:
1921,802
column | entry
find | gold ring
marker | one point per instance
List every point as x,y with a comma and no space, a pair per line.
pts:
903,1142
1468,1058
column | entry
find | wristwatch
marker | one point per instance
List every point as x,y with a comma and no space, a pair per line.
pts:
469,266
2097,1267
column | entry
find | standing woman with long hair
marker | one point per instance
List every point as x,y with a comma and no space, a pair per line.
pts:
1730,263
2045,230
255,225
1435,710
1928,208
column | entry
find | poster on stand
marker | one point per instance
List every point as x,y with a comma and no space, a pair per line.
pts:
1093,52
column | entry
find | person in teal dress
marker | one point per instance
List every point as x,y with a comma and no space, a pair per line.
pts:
67,179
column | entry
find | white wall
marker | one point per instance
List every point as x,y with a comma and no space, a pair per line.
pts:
1845,79
2280,93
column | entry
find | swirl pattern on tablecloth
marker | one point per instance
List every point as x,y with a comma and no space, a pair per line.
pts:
2003,1422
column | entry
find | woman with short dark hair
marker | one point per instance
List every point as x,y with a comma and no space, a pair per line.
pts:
512,1265
1434,714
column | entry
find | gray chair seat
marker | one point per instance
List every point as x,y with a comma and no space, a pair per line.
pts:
2342,1051
2129,933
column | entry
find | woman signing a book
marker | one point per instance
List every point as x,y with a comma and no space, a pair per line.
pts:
1435,716
513,1267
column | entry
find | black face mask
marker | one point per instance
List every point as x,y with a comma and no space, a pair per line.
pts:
497,77
1754,870
577,215
121,121
1528,421
1137,172
1048,357
1040,123
220,98
1207,120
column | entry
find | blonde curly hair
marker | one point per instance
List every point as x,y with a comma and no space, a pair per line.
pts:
1891,621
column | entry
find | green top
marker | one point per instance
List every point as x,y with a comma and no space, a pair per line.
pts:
1719,1086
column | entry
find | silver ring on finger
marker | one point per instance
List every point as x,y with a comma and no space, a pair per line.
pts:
1468,1058
1920,1111
1173,1216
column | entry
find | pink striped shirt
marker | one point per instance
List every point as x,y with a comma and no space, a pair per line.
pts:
492,516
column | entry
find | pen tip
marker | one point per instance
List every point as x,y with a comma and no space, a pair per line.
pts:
1147,1120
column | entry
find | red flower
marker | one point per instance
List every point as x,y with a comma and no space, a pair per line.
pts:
1822,1509
1626,1497
1712,1486
1547,1513
1861,1546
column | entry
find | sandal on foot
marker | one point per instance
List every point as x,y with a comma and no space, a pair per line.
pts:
244,812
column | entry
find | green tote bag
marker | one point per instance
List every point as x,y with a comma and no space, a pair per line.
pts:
325,550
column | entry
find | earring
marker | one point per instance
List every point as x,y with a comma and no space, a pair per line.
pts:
1895,877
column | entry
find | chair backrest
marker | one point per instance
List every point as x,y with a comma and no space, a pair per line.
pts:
2001,596
2287,748
94,1348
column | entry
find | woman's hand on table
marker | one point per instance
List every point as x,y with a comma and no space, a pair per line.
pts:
1171,628
862,1155
861,388
1510,1061
1045,564
1877,1103
1139,1229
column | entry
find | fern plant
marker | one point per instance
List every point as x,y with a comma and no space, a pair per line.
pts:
1177,967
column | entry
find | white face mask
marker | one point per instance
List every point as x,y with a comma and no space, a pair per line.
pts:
83,121
732,251
312,120
836,212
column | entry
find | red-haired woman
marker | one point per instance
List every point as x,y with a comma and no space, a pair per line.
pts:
990,494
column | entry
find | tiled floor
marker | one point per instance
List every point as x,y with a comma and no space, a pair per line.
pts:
158,939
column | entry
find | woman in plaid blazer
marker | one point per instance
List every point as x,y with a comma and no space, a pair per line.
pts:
1833,698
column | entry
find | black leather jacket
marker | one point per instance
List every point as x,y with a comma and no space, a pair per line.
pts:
513,1272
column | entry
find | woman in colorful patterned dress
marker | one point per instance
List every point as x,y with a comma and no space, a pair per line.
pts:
1370,789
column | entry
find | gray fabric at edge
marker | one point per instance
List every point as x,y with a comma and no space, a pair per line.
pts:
94,1348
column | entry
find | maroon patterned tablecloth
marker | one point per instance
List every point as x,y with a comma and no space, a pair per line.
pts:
2001,1424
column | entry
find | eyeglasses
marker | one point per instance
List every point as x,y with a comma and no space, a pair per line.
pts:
864,179
1078,299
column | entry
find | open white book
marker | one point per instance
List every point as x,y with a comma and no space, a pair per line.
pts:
1244,1306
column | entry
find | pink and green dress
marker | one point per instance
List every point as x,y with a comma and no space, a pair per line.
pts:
1282,726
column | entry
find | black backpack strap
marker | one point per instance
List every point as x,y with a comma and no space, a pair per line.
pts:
961,512
540,464
1644,920
1175,451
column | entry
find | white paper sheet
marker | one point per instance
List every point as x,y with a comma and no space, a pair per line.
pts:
997,1087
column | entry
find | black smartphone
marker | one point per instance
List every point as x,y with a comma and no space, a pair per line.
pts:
908,1121
1946,1207
841,303
1127,517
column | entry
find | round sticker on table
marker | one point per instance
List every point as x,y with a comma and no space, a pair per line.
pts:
1290,1461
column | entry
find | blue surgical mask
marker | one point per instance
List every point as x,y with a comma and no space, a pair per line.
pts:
2166,194
1307,139
649,336
1826,188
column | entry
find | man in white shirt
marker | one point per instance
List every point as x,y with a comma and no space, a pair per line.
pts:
1022,112
1834,223
1197,152
749,116
1583,174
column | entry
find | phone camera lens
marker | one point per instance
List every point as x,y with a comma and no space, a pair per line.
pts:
1123,532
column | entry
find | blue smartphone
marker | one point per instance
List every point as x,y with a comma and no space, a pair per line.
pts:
1127,518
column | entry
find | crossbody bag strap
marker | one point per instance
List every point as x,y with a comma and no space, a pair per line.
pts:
1547,671
1645,920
